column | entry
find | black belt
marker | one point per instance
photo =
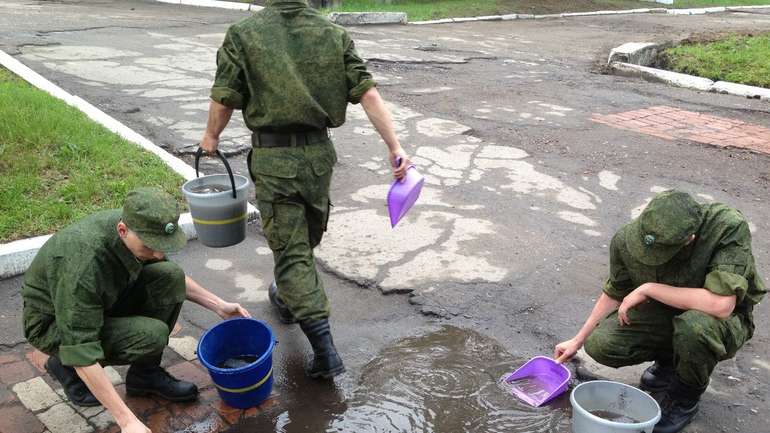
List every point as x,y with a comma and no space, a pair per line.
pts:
288,139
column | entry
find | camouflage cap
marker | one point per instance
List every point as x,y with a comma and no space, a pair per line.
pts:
154,216
664,227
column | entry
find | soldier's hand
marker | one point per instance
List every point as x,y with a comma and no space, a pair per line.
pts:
565,350
209,144
630,301
400,162
228,310
135,426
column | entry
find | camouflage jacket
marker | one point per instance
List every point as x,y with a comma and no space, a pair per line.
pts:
288,68
78,275
719,260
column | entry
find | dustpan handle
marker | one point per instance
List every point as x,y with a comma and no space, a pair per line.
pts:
224,160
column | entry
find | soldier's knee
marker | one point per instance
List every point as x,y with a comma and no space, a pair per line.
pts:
693,325
154,335
603,350
167,277
693,330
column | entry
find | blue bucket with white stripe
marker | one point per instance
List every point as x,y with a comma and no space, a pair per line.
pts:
249,385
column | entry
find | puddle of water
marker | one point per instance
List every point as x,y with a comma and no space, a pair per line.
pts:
530,386
446,381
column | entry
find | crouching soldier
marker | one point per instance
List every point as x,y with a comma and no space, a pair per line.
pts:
681,290
101,292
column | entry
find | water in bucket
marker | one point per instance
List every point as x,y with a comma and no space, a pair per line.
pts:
238,361
209,189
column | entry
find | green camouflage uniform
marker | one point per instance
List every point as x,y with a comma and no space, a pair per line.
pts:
87,299
290,70
719,260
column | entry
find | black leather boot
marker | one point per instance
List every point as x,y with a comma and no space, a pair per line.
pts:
679,407
284,315
326,361
657,377
74,388
154,380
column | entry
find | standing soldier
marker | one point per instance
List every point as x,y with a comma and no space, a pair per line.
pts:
292,73
681,290
100,292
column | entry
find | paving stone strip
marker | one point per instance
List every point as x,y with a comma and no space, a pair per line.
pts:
32,402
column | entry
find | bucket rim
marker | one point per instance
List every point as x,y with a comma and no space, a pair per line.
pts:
229,191
257,362
576,407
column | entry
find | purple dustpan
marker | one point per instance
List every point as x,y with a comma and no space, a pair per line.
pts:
539,380
403,194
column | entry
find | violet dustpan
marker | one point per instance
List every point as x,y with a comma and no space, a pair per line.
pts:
539,380
403,194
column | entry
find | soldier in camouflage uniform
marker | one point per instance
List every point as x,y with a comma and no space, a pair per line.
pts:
100,292
292,73
681,290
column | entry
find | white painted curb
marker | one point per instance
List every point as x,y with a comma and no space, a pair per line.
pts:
215,4
698,11
691,81
15,257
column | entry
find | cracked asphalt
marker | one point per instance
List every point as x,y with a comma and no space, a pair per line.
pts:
523,190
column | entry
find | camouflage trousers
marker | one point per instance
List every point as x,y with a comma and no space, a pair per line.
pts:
292,189
693,340
136,328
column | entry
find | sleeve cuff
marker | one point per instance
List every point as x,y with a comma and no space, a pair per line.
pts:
355,94
613,292
81,355
726,284
227,96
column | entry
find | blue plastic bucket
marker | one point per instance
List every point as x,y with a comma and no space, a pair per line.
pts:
245,386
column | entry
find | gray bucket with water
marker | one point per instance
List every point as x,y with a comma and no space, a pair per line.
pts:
602,406
218,205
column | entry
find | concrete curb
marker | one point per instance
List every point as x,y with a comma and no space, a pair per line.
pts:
363,18
632,59
690,81
510,17
15,257
215,4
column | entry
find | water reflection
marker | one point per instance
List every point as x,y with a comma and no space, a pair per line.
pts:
446,381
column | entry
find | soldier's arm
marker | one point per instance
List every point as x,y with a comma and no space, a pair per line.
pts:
380,117
198,294
219,117
687,298
99,384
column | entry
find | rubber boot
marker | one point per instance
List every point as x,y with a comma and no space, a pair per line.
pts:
657,377
74,388
284,315
154,380
679,407
326,362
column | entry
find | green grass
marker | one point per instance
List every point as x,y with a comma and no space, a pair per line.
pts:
738,59
56,165
420,10
715,3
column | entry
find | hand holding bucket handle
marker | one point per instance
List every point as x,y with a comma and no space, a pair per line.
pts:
224,160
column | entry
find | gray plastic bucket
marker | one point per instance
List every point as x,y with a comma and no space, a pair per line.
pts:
616,398
219,217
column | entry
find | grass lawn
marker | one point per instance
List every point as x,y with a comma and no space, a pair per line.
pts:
420,10
715,3
739,59
56,165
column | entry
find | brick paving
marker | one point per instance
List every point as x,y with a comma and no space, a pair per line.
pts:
32,402
675,124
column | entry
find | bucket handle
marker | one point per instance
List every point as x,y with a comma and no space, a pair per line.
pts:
224,160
